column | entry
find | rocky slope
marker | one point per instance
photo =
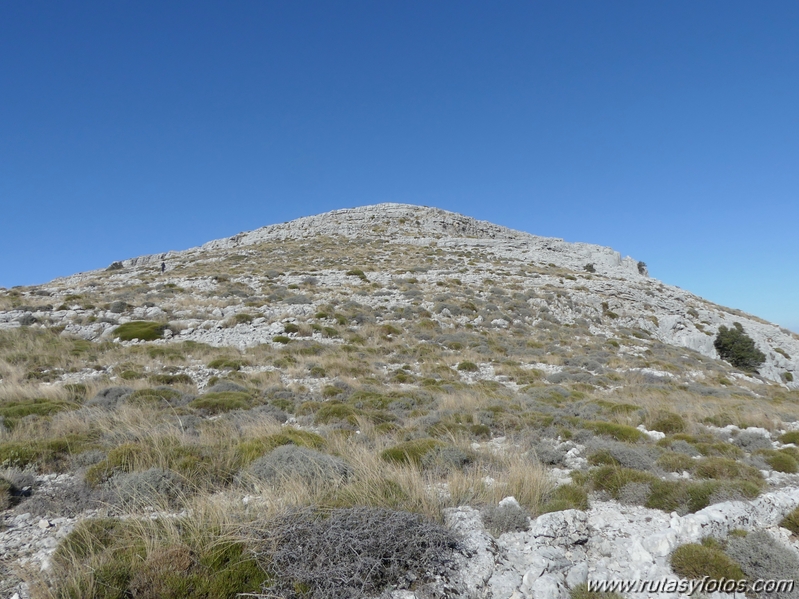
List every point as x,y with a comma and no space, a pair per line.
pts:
394,323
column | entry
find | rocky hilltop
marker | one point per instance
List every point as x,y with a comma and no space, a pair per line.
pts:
510,415
582,282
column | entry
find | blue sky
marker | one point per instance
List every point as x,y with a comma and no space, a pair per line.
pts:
666,130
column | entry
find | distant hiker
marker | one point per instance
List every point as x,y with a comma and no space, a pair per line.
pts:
163,267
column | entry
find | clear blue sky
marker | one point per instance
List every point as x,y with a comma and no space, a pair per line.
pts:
666,130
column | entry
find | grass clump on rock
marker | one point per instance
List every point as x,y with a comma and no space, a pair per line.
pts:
791,521
105,558
143,330
697,561
411,452
222,401
566,497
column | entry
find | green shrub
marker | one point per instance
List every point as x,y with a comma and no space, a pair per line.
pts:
581,592
12,412
254,448
782,462
620,432
142,330
697,561
223,401
5,494
171,379
566,497
791,521
668,422
160,396
281,339
738,348
335,411
467,366
47,454
357,272
673,461
411,452
612,479
790,437
691,496
109,559
290,327
227,364
726,469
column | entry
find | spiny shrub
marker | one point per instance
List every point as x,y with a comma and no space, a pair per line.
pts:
762,557
738,348
143,330
290,462
144,488
508,517
751,441
385,549
109,397
697,561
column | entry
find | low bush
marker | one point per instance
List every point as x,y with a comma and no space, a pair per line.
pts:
762,557
110,397
508,517
751,441
163,396
155,486
695,561
385,549
143,330
292,462
467,366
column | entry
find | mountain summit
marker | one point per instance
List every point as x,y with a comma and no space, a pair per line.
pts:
551,283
